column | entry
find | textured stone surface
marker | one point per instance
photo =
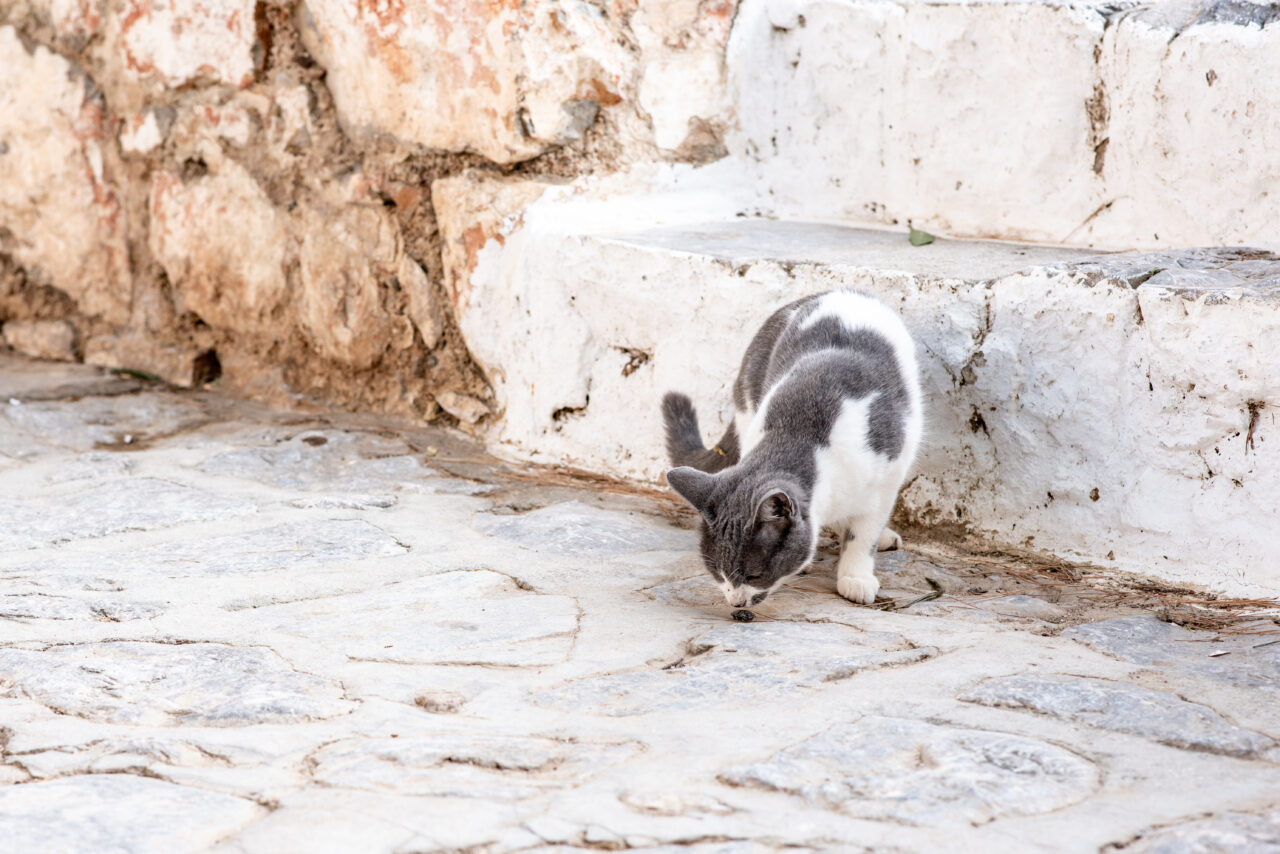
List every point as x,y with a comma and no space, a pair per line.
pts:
156,684
118,812
503,81
181,41
97,421
1218,834
297,545
60,214
1156,715
919,773
575,528
324,460
350,256
121,505
222,244
768,661
367,671
42,339
40,606
24,381
496,767
477,617
1145,640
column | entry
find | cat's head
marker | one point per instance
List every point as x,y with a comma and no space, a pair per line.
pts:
756,531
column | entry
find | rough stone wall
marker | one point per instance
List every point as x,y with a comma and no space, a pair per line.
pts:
241,190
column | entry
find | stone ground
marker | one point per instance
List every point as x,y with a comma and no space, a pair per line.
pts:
235,630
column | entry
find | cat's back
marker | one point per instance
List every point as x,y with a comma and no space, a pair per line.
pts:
837,347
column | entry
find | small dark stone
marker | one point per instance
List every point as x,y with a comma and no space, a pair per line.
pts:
742,615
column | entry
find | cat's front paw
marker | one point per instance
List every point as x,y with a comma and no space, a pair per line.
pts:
858,588
889,541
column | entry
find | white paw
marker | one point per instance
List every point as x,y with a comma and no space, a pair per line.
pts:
858,588
889,541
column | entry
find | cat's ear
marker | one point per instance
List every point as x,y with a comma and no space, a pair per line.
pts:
777,508
693,485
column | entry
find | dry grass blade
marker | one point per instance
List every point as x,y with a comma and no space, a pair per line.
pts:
928,597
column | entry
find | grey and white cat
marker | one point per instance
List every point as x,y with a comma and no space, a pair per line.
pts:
827,422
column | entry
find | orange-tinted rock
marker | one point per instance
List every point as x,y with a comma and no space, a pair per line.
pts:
506,80
60,216
223,246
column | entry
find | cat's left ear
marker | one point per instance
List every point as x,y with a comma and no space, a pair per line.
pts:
777,508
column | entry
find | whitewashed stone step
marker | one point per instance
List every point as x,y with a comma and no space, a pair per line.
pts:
1117,409
1104,124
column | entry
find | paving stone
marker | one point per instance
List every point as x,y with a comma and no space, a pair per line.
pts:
574,528
132,504
159,684
472,617
462,764
1021,605
325,460
293,545
120,420
117,812
100,464
1225,833
1144,639
1155,715
126,753
920,773
40,606
742,663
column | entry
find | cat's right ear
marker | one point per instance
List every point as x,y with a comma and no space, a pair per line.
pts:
694,486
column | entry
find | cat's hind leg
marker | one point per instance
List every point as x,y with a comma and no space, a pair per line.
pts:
889,541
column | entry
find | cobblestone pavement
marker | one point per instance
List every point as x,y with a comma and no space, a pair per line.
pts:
233,630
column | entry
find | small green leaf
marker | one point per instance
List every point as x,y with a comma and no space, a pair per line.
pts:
920,238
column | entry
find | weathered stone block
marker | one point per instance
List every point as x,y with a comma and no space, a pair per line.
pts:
507,81
42,339
180,366
60,215
223,245
183,41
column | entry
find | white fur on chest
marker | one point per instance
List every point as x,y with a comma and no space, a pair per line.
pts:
847,470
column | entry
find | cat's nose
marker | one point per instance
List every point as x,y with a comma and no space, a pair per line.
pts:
737,598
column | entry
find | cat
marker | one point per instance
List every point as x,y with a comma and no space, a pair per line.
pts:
828,419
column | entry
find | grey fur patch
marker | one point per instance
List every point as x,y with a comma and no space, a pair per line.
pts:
828,364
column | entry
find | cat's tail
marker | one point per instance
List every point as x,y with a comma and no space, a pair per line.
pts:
684,439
